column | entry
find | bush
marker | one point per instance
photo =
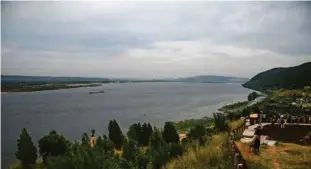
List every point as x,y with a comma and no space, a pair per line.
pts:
197,132
175,150
221,123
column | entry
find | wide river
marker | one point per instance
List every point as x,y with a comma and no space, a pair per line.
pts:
74,111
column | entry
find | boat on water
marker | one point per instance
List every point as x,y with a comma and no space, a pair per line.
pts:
97,92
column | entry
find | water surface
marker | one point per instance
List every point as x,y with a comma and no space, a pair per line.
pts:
74,111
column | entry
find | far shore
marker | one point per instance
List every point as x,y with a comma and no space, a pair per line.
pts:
36,87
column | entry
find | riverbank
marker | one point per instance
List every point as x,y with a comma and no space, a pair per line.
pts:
8,88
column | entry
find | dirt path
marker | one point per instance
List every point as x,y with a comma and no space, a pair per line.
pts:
273,152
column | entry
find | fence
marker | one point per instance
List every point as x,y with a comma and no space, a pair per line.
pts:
237,158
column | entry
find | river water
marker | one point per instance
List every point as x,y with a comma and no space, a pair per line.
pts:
74,111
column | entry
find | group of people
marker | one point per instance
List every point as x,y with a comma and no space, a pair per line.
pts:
279,118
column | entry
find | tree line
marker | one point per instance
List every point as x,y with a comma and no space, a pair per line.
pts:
143,147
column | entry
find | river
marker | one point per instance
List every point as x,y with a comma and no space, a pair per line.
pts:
74,111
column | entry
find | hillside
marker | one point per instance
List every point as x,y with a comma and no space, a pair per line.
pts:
212,79
288,78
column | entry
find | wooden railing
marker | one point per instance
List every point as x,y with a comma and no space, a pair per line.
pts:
237,158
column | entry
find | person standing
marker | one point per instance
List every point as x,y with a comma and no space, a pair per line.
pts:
282,123
257,144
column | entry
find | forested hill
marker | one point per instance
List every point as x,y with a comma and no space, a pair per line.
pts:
212,79
289,78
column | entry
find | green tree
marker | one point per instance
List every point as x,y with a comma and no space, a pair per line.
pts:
142,161
82,157
93,132
175,150
85,140
169,133
196,132
135,133
146,133
160,158
221,123
252,96
53,145
130,150
115,134
108,144
26,151
156,141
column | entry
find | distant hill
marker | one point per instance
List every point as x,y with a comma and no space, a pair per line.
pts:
8,79
212,79
289,78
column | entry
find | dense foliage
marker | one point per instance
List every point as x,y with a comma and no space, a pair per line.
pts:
186,125
140,133
221,123
169,133
288,78
143,148
26,151
53,145
252,96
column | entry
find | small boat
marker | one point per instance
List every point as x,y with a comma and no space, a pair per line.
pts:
97,92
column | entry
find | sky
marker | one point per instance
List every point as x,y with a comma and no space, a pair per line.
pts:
153,39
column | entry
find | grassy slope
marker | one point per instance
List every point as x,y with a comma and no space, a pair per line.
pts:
284,156
234,106
214,154
185,125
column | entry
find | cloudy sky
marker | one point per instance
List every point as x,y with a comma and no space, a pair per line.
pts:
153,39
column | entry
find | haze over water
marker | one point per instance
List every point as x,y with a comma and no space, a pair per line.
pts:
74,111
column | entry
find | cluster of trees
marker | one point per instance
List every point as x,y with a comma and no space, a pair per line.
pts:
252,96
143,148
140,133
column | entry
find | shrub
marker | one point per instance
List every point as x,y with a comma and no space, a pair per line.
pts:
221,123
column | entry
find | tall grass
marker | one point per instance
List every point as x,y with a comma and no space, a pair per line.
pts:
214,154
235,124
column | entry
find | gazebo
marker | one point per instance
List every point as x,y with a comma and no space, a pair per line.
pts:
254,118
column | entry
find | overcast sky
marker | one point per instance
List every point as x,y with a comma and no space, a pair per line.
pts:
153,39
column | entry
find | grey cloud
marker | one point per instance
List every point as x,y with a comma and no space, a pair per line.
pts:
108,29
